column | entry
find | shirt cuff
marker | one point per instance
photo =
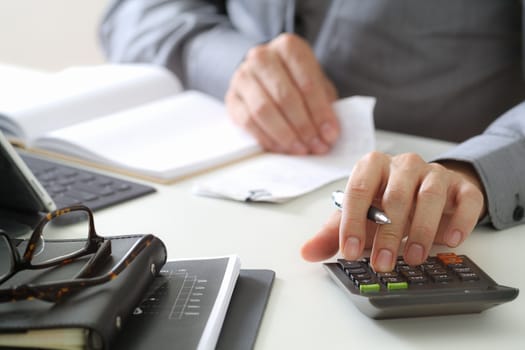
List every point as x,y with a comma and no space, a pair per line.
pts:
211,58
498,160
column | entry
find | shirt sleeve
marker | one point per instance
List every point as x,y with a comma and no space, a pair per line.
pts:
498,155
193,39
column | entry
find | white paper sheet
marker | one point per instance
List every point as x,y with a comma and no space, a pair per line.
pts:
278,178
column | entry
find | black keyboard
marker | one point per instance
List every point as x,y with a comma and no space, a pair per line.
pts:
445,284
69,185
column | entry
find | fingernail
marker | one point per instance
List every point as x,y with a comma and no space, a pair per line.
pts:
453,238
415,254
299,148
317,146
329,132
384,261
351,248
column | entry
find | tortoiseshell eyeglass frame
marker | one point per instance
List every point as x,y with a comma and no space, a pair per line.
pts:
54,291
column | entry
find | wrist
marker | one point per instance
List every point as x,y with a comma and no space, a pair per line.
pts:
467,172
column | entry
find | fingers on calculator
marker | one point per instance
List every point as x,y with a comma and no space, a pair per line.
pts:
444,284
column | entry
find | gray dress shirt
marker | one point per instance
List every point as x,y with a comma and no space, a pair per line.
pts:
444,69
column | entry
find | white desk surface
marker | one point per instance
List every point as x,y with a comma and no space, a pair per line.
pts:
306,309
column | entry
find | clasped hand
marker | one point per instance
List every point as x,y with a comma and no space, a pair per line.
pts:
280,95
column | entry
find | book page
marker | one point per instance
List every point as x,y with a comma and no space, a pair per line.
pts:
15,81
54,339
278,177
165,139
81,93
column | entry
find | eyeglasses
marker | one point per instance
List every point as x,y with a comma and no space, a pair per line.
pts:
36,256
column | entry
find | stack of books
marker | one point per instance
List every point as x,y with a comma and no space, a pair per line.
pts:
184,305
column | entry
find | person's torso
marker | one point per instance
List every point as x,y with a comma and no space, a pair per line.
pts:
442,69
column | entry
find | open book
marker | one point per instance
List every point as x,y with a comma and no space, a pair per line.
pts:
133,119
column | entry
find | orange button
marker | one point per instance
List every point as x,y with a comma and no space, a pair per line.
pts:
449,258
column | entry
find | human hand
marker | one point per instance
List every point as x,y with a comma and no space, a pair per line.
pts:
281,96
426,202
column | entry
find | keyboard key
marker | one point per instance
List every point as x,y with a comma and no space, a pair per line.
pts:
69,185
65,201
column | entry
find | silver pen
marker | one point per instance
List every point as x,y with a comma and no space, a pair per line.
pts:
373,214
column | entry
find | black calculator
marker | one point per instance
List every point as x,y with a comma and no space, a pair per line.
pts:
444,284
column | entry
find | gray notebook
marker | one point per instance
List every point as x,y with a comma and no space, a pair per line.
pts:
246,310
166,319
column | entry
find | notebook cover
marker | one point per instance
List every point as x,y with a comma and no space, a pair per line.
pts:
102,309
151,330
246,310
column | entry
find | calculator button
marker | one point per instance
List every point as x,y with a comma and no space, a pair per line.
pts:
397,285
411,273
401,262
449,258
388,280
438,271
462,269
431,260
417,280
401,268
346,264
445,255
367,288
433,266
441,278
355,271
361,276
358,283
457,266
387,274
470,276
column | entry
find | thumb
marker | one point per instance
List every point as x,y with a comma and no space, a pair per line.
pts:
325,243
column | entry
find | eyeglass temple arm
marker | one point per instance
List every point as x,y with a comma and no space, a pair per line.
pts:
96,261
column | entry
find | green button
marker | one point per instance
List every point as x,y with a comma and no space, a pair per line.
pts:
367,288
397,285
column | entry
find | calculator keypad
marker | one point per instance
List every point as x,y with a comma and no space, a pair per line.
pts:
445,284
444,269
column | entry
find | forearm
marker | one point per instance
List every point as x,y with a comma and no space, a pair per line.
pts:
211,58
194,39
498,156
